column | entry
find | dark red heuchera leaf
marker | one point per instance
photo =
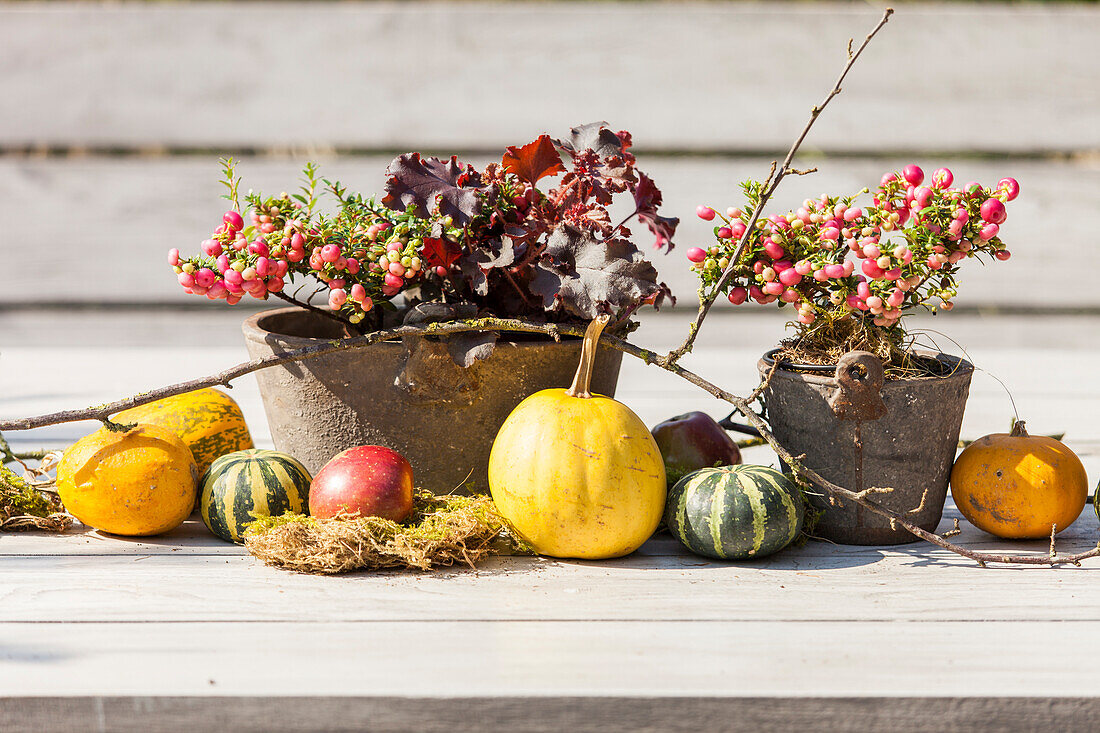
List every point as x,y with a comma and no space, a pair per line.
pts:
627,141
534,160
646,194
440,252
499,252
525,234
429,183
661,226
596,137
647,197
589,276
590,217
602,167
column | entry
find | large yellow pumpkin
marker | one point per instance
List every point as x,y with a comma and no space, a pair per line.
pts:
1018,486
578,475
139,481
208,421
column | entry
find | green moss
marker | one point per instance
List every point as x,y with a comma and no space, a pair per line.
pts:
442,530
19,499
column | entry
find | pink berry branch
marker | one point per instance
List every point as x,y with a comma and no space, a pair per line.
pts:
910,240
765,193
741,404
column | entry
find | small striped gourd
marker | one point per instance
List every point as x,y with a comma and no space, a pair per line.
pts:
734,512
208,421
251,482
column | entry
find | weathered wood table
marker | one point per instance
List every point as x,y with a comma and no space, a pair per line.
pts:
149,635
106,633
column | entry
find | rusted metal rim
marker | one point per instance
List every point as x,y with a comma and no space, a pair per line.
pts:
951,365
268,325
769,359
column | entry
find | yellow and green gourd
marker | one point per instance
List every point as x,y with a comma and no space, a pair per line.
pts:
241,486
734,512
208,421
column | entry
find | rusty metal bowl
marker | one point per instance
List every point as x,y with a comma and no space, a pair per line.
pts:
860,431
406,395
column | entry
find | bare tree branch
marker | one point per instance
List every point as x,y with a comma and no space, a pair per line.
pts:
770,185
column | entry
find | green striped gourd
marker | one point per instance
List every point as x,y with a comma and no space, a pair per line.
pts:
734,512
260,482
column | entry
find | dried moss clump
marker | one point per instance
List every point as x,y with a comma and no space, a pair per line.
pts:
831,338
22,506
442,531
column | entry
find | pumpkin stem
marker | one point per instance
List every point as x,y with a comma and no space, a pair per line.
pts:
583,378
1019,429
116,427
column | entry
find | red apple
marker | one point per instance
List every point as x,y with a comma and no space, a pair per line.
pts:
693,441
369,480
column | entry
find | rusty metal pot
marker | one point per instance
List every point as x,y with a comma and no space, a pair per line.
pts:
407,395
860,431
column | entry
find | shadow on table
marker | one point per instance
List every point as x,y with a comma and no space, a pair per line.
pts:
927,555
664,552
191,534
29,654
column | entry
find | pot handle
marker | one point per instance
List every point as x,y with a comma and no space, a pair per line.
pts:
727,423
859,377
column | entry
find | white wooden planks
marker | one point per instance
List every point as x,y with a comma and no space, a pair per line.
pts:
98,230
183,630
190,576
550,659
682,76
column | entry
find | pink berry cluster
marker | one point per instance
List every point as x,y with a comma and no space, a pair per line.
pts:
832,257
358,255
239,261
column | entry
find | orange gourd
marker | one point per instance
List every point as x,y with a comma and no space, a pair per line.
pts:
136,481
1018,486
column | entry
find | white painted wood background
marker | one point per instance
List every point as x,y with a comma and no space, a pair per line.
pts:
683,76
350,84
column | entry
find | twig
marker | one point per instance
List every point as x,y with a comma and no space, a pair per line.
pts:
6,454
764,383
771,183
103,412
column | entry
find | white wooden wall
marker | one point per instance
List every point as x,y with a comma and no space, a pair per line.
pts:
112,117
